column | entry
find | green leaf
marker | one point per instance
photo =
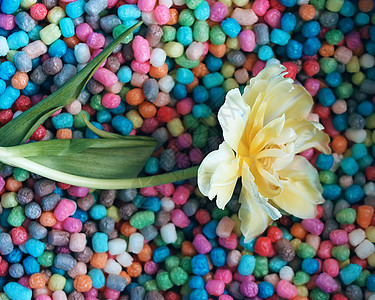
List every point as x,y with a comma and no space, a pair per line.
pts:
14,132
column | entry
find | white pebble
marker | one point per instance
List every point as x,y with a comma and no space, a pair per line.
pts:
74,108
82,53
355,135
356,237
112,267
367,61
337,158
364,249
272,61
148,18
167,3
371,297
136,241
125,259
168,233
4,48
166,84
116,246
369,189
167,204
80,67
49,136
158,57
195,50
286,273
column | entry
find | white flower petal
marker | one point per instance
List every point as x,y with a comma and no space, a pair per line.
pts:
233,116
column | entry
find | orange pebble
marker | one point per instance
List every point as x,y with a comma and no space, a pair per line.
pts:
20,80
326,50
37,281
147,109
145,254
187,249
64,134
82,283
158,72
47,219
366,5
174,16
200,71
307,12
63,4
251,59
359,51
364,215
218,50
300,298
190,87
134,270
126,229
135,96
13,185
298,231
99,260
126,276
339,144
71,42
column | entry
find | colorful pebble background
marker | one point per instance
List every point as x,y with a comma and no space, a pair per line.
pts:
168,81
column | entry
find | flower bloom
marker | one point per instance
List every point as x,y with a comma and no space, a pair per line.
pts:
263,131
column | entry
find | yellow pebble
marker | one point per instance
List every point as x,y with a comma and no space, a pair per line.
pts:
353,65
27,3
49,34
135,117
230,84
228,3
302,291
233,43
237,224
241,3
114,213
56,282
56,14
370,233
227,70
173,49
358,77
211,121
175,127
343,264
371,260
295,243
11,54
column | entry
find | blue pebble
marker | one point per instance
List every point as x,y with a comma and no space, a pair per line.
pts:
213,63
81,215
324,161
15,256
9,96
346,25
30,89
354,194
35,247
288,21
103,116
63,120
179,91
288,3
57,48
276,263
7,70
16,291
18,40
100,242
34,34
31,265
370,284
217,97
67,27
333,79
265,289
200,94
16,270
294,49
75,9
198,294
213,80
119,109
218,257
365,108
184,35
350,273
122,124
349,166
361,19
359,151
311,46
372,33
152,166
160,254
97,211
184,76
230,27
348,9
340,122
202,11
279,37
326,97
331,191
10,6
3,86
247,265
249,245
196,282
151,203
209,230
128,12
69,57
310,265
124,74
97,277
201,111
310,29
199,265
265,53
22,62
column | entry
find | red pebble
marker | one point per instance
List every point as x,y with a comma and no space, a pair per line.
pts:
4,267
311,67
286,221
291,68
39,134
319,211
275,234
325,249
22,103
370,173
311,284
277,4
19,235
38,11
322,111
203,216
170,295
6,116
165,114
332,132
63,186
229,242
339,297
263,247
358,261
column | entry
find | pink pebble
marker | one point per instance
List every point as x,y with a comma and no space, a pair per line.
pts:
244,17
43,297
312,85
249,288
308,154
315,226
215,287
72,225
206,48
247,40
112,3
185,106
77,242
111,294
258,66
2,183
59,295
229,242
196,156
166,189
184,140
78,191
179,218
225,297
201,244
181,195
146,5
218,12
325,249
149,191
162,15
64,209
223,274
286,290
142,68
95,40
241,278
24,280
273,17
151,267
83,31
260,7
7,22
338,237
105,77
110,100
331,267
58,225
95,53
353,40
326,283
93,292
141,49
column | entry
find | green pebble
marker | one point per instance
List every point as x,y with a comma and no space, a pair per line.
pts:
318,4
46,259
217,35
185,289
334,37
96,102
159,241
230,84
358,77
184,62
362,279
328,65
227,70
186,18
151,285
190,122
210,121
16,216
318,294
10,55
78,120
173,49
178,276
104,13
261,266
142,219
370,121
346,216
201,31
118,30
218,214
3,296
373,19
186,264
353,65
344,90
172,262
193,4
304,251
9,200
334,5
200,136
327,177
301,278
180,239
164,281
169,34
124,91
341,253
21,174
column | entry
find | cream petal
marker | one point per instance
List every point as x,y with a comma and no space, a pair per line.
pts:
209,164
281,158
233,116
301,190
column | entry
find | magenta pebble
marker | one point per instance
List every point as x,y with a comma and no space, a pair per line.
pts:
141,49
77,191
314,226
286,290
224,274
247,40
7,22
179,218
338,237
64,209
249,289
326,283
218,12
215,287
201,244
